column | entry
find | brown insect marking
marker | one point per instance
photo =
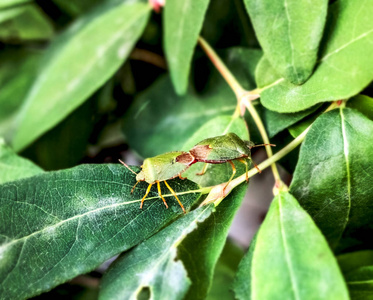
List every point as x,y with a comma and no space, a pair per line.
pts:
201,152
186,159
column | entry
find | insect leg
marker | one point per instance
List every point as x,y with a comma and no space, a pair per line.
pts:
181,177
247,167
173,193
256,167
233,170
133,188
233,173
160,194
146,194
203,170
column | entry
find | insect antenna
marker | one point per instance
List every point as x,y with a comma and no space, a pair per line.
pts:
124,164
272,145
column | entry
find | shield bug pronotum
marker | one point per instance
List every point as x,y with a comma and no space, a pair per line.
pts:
161,168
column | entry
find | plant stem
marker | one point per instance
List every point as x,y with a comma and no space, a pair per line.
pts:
250,107
221,67
149,57
243,96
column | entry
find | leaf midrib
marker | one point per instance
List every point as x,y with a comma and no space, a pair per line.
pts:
286,250
48,228
348,175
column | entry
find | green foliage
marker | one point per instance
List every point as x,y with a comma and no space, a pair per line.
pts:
283,261
64,209
200,261
24,23
152,264
357,268
182,24
85,83
59,90
289,33
348,33
331,156
14,167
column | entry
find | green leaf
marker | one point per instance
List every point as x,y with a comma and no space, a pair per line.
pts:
345,66
224,272
61,147
153,264
358,271
182,23
333,177
276,122
18,70
242,281
354,260
215,174
362,103
76,219
7,3
291,259
24,23
242,62
201,249
93,49
75,8
289,32
14,167
299,127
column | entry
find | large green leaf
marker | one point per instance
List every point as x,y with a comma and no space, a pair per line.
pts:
215,174
61,147
243,278
7,3
24,23
201,249
344,69
18,70
58,225
289,32
333,178
152,264
14,167
291,259
225,271
362,103
353,260
357,268
78,63
276,122
182,23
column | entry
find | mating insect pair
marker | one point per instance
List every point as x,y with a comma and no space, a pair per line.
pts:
215,150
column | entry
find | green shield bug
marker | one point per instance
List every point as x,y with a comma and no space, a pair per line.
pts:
161,168
222,149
